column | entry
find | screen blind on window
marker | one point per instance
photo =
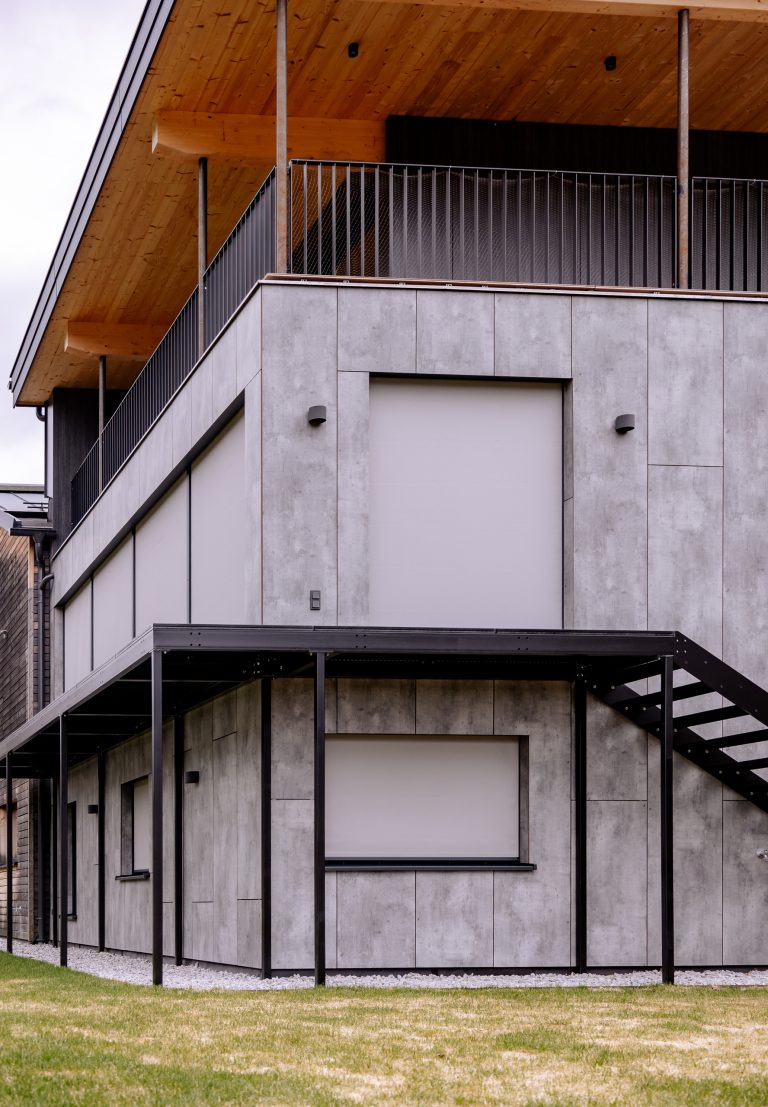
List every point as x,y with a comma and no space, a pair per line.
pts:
401,797
141,826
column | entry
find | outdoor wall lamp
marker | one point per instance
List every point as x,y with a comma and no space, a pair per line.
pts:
192,776
317,415
93,808
624,423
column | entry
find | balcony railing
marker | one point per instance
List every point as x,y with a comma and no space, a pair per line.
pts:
445,223
246,256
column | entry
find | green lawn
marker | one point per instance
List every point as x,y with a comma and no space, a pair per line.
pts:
68,1038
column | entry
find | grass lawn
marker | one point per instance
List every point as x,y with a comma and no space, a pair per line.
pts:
69,1038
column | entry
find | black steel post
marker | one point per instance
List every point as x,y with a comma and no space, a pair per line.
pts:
683,151
63,840
319,683
580,790
54,862
157,817
101,849
9,853
102,416
202,249
667,842
178,838
266,827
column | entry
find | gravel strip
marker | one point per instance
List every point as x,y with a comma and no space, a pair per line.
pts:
137,969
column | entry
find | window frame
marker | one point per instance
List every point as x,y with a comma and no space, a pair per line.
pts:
409,863
128,830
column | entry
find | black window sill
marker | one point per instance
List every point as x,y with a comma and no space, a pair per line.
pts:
128,877
426,864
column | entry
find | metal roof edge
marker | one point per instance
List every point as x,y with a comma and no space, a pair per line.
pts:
138,60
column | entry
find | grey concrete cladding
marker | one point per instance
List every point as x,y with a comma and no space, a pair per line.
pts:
663,528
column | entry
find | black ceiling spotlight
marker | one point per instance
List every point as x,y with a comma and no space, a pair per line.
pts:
610,63
353,49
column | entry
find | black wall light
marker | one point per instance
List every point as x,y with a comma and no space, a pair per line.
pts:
192,776
610,63
317,415
624,423
93,808
353,49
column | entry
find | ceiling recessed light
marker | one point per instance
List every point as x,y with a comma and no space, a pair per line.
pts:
353,49
610,63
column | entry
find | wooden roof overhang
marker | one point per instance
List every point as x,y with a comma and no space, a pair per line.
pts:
201,81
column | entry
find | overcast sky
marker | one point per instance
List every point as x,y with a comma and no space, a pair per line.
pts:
59,64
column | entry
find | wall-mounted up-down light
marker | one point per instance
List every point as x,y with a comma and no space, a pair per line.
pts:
624,423
93,808
191,776
317,415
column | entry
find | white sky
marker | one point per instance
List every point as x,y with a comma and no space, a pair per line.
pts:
59,64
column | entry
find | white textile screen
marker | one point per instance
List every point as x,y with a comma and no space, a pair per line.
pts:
162,552
113,604
466,504
77,637
142,856
401,797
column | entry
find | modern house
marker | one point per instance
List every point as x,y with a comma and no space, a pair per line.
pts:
25,536
403,369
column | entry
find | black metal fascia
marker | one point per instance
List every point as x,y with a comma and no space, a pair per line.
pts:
140,54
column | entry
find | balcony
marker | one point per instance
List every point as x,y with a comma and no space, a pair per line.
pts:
447,223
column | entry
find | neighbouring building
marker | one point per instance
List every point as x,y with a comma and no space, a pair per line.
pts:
409,597
24,540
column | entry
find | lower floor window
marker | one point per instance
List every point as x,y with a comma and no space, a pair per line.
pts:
4,834
72,859
402,797
135,826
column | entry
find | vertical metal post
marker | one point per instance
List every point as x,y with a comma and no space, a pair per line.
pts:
178,838
266,827
101,850
157,816
9,853
63,840
102,415
667,837
319,818
39,861
281,137
580,791
54,864
202,249
683,158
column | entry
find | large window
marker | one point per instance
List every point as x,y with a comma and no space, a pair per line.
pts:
136,842
3,833
406,798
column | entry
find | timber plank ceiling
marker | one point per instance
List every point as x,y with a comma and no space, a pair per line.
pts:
136,261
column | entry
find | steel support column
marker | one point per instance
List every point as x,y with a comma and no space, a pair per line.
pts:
580,791
281,138
9,853
667,838
202,249
178,838
63,840
266,827
54,863
102,416
319,683
101,850
683,156
157,817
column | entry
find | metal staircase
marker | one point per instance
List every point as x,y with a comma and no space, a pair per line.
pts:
739,699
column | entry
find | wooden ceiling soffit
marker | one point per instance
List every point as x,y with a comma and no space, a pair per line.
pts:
126,341
252,137
730,11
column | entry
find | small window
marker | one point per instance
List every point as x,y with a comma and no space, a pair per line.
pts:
72,847
14,834
136,851
454,800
